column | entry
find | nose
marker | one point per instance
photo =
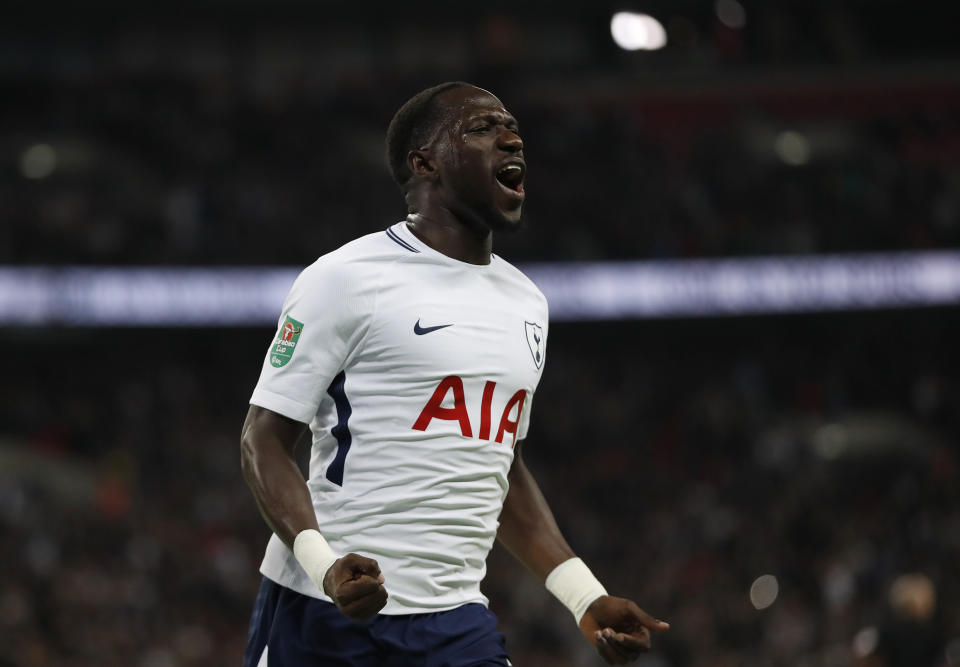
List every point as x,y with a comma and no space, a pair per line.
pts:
509,140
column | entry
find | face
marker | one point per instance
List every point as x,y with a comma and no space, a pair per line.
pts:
479,160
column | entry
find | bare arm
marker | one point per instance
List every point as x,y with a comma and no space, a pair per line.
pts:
617,627
527,527
267,445
268,442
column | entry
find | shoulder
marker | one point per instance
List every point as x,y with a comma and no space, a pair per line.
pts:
354,264
345,280
520,281
362,254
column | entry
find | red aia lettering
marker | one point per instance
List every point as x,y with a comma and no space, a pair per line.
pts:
485,409
433,410
506,425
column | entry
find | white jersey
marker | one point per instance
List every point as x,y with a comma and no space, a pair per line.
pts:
416,373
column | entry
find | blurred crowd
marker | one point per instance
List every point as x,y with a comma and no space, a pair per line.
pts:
765,485
231,141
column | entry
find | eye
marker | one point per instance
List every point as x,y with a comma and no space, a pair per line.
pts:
479,128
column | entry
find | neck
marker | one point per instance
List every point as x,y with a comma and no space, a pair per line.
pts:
447,235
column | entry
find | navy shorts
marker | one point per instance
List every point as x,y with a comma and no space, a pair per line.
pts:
300,631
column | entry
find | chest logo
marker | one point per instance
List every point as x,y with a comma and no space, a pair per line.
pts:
419,330
434,409
535,342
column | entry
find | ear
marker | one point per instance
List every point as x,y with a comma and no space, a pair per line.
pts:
420,163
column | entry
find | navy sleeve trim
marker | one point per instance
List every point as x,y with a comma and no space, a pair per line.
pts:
341,431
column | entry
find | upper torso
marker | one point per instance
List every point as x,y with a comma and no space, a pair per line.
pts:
413,422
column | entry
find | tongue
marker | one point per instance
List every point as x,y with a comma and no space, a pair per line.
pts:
510,178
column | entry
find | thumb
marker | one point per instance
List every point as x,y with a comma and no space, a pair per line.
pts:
648,621
366,566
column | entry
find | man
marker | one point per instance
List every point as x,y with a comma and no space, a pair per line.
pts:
413,354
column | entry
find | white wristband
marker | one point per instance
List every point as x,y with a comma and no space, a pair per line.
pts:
314,555
574,585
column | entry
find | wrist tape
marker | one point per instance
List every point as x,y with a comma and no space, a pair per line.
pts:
574,585
314,555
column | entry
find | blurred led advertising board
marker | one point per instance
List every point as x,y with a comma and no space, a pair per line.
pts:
246,296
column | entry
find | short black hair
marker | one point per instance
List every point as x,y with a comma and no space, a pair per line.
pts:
413,123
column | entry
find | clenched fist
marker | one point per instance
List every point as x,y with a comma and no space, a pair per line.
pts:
355,585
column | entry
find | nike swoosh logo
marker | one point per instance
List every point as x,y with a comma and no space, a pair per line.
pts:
419,330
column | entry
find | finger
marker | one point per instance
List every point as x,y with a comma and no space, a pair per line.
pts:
355,589
626,650
648,621
610,655
636,642
367,607
368,604
363,565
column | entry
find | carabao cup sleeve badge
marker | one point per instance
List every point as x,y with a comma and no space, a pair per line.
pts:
286,342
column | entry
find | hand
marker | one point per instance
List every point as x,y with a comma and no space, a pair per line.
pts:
619,629
355,585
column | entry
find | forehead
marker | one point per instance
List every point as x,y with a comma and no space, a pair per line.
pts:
461,104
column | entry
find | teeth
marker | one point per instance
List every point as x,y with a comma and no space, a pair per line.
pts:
509,167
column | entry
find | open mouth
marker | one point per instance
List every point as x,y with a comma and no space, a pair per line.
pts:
511,176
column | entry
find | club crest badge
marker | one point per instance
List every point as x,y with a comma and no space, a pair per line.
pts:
535,341
286,342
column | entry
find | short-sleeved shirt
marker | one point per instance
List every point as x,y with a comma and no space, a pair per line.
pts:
416,373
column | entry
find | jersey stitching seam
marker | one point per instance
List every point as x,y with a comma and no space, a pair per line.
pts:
373,313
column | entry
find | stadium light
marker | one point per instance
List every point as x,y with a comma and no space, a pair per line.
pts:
792,147
764,591
953,652
38,161
865,642
635,32
731,13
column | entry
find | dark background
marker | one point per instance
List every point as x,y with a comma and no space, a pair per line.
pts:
684,458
